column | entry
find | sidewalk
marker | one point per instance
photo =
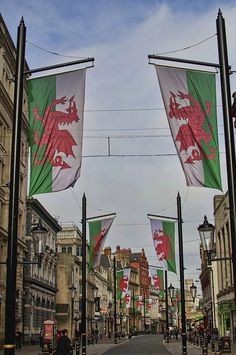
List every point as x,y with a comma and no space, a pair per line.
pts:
96,349
175,348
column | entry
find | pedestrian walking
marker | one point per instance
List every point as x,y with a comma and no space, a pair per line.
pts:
64,345
41,338
18,339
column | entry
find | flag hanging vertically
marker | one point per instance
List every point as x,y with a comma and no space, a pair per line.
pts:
138,302
98,230
163,235
190,102
56,109
157,280
127,299
122,279
148,305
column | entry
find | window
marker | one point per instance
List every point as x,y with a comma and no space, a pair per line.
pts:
79,251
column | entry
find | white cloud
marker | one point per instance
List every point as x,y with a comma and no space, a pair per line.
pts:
121,79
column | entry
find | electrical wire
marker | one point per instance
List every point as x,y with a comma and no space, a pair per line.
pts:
54,53
188,47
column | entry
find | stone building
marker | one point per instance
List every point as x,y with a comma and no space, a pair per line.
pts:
69,251
225,295
37,296
104,298
7,71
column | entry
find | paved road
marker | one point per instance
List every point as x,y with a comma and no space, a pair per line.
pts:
141,345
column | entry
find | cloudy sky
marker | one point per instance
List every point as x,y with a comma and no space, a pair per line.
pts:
123,102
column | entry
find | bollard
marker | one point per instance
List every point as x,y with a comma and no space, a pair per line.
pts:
201,340
77,348
212,344
204,350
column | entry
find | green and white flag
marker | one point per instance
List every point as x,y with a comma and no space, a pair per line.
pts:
122,280
56,109
163,235
98,230
190,102
127,299
157,280
138,302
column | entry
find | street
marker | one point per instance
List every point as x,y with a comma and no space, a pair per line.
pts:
146,344
143,344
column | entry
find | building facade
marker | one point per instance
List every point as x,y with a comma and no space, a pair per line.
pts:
37,294
7,71
225,295
69,259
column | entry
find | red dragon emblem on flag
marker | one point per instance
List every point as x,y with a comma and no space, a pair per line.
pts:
156,281
97,243
163,245
127,298
123,284
192,134
56,139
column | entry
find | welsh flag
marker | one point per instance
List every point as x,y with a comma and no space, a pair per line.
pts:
148,305
56,109
157,280
122,280
127,299
190,102
98,230
163,235
138,302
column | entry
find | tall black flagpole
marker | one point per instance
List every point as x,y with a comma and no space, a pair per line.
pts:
115,308
229,134
84,303
167,311
10,309
181,272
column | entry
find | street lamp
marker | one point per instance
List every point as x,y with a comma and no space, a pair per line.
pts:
193,290
206,232
96,302
73,292
38,233
171,290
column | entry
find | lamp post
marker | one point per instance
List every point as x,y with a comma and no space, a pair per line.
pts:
206,232
166,296
73,292
96,303
115,313
171,290
193,290
38,234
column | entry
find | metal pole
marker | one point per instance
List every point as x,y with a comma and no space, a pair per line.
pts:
14,195
213,299
115,315
166,293
180,60
56,66
121,313
229,134
144,311
133,313
84,303
181,272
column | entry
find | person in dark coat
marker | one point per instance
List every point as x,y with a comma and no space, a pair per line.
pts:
63,346
18,339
